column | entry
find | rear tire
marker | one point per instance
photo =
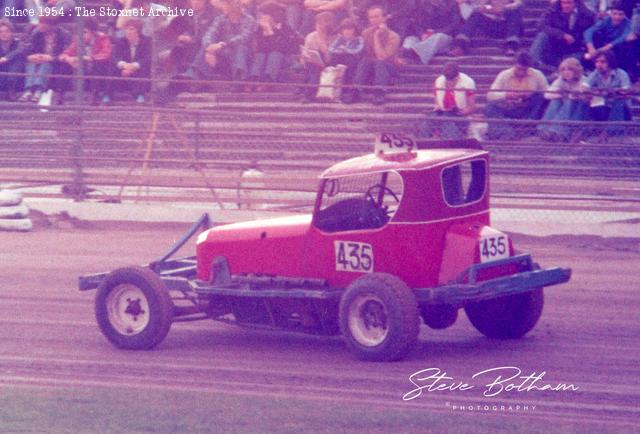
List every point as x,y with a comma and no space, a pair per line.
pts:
379,318
133,308
509,317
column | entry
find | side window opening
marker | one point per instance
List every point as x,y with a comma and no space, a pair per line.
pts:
359,202
464,183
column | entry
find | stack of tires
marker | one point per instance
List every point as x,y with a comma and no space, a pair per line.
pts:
13,213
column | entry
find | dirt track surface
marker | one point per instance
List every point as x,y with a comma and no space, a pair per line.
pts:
58,374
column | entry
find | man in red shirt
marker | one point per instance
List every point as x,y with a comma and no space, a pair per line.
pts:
96,58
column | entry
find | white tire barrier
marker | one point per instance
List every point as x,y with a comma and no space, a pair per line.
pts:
13,214
18,225
10,198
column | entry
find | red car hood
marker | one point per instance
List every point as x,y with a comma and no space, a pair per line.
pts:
281,227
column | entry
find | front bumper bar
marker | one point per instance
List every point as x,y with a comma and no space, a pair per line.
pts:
467,289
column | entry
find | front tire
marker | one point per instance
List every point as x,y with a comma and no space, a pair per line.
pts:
379,318
509,317
133,308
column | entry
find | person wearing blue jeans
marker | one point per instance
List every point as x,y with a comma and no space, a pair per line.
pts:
567,102
560,33
496,19
437,23
11,60
225,45
274,42
609,34
607,82
45,44
346,49
381,46
516,93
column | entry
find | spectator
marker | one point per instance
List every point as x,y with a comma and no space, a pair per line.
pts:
467,7
609,33
65,6
275,41
560,33
609,85
189,32
11,60
347,48
377,67
315,52
132,57
152,24
97,60
46,43
516,93
293,10
225,45
601,8
402,16
339,9
454,94
631,56
438,22
566,101
495,19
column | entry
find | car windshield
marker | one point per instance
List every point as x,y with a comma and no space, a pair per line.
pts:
359,202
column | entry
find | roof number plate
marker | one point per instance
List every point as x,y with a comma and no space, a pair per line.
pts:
392,143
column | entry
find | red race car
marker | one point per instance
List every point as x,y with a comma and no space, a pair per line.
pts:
396,236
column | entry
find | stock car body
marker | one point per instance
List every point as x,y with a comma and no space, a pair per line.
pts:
395,239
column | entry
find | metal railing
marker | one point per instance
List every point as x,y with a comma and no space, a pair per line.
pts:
271,160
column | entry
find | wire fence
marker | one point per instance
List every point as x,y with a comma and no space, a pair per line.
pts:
270,160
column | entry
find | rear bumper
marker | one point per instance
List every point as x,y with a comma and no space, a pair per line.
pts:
528,278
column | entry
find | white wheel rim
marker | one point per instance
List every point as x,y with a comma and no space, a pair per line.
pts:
128,309
368,320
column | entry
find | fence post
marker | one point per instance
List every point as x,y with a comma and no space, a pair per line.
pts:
79,189
79,81
197,138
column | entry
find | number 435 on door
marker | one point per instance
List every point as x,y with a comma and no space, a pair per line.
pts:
353,256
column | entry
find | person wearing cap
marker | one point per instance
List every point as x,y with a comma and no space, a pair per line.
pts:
45,44
97,58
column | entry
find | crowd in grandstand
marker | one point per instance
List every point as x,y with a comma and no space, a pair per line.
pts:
260,41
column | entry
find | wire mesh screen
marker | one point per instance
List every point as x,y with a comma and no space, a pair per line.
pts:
271,159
